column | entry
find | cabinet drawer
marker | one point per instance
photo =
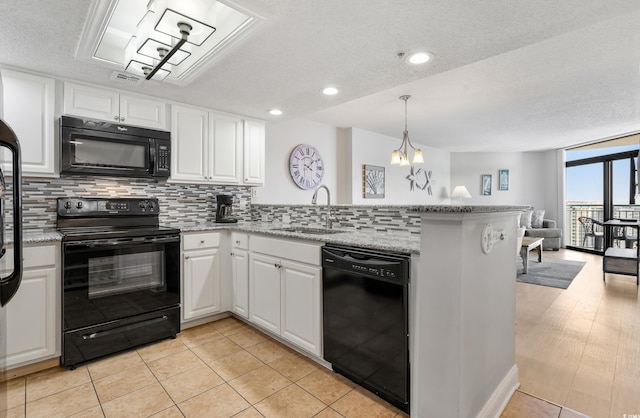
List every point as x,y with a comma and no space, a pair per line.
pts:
297,250
240,241
39,256
200,241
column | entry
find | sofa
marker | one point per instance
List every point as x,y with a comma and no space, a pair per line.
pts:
538,227
552,235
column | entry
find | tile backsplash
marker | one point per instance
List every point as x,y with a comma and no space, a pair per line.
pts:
372,218
179,203
193,204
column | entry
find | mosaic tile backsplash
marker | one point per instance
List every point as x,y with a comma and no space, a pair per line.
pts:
181,203
372,218
194,204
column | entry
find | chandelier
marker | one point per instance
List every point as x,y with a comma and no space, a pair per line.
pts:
401,156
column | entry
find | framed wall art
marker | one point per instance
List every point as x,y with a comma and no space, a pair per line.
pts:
372,182
503,176
486,185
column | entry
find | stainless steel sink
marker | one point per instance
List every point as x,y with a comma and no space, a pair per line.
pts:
309,230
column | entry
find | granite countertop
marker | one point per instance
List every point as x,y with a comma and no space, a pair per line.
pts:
466,208
34,236
396,241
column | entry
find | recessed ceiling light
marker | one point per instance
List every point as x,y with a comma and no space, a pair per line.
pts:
275,112
330,91
418,58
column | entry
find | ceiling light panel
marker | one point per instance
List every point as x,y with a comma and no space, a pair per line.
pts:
418,58
217,27
330,91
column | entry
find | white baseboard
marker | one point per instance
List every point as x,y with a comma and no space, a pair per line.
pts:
500,397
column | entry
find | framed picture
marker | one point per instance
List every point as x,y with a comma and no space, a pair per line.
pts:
503,175
486,185
372,182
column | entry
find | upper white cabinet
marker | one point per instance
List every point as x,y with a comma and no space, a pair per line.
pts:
189,137
254,158
97,103
213,147
29,109
225,148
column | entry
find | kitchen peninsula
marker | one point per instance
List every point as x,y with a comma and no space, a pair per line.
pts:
461,299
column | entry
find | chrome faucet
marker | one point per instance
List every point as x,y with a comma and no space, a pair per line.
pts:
314,201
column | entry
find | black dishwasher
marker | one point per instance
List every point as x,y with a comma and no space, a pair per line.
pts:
365,319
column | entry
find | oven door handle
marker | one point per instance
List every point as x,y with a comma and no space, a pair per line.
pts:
162,240
121,241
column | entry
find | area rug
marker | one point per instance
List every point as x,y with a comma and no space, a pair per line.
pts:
551,272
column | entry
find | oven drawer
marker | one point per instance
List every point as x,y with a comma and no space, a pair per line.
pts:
200,241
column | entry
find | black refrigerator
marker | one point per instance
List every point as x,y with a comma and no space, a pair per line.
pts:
10,282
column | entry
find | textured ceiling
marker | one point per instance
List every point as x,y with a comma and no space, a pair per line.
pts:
506,75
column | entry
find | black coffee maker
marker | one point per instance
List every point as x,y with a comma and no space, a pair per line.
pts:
224,211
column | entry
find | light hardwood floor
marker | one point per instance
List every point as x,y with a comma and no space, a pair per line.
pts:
580,347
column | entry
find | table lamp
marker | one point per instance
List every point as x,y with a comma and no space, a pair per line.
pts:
459,193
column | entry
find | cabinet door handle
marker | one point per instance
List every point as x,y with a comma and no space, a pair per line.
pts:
116,117
121,119
201,241
237,242
186,257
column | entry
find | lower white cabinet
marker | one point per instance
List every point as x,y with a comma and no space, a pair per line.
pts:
264,300
240,274
301,305
32,316
285,290
200,275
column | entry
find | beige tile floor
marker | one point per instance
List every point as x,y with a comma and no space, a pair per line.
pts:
580,347
221,369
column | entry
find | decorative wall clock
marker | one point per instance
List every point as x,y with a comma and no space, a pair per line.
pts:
306,166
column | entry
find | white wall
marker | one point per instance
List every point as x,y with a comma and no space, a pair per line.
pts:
281,138
344,151
375,149
532,178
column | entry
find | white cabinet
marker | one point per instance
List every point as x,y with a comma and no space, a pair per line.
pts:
225,149
189,137
200,275
29,109
254,152
301,305
216,148
33,315
92,102
285,290
240,274
264,285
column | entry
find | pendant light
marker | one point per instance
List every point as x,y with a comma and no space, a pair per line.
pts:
401,156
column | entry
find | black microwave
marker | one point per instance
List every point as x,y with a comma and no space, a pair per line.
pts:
95,147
